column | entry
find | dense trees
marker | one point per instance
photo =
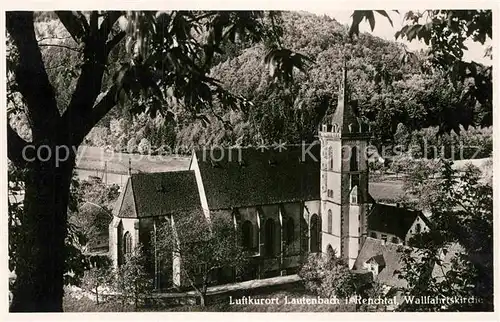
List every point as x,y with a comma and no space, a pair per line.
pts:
391,86
462,232
203,250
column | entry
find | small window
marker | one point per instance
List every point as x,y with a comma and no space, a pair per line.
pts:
373,235
127,244
384,237
330,221
395,240
418,228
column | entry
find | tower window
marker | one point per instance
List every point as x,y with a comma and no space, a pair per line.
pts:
330,158
354,159
330,221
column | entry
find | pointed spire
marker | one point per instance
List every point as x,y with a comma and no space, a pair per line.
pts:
343,85
343,119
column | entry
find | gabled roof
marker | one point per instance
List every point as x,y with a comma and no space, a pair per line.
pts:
157,194
393,254
391,257
242,177
392,220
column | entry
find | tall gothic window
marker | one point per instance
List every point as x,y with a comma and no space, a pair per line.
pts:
289,231
330,221
127,244
270,233
315,234
354,159
247,235
330,158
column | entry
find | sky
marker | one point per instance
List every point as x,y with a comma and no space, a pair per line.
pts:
383,29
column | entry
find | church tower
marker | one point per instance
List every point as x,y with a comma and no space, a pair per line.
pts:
344,178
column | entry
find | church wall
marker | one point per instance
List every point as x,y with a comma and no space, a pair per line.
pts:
113,241
332,238
354,232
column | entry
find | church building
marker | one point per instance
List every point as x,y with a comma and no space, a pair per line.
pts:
288,201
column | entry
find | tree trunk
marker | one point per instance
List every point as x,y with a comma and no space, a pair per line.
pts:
203,293
203,298
41,259
97,295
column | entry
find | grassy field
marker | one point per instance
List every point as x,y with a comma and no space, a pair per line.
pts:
94,158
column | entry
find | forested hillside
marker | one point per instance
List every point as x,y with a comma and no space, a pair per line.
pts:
389,86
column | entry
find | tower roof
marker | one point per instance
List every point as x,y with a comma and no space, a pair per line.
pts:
344,118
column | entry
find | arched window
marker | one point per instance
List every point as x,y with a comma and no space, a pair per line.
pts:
247,235
330,158
354,159
418,228
127,244
330,221
289,231
315,234
270,233
373,235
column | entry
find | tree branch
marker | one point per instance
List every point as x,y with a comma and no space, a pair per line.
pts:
73,22
31,76
114,41
15,147
107,25
105,102
61,46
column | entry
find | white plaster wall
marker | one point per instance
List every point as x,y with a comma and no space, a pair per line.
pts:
412,231
113,241
129,226
379,236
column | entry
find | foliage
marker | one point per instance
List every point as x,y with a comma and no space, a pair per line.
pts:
328,276
446,32
95,278
416,97
95,203
462,230
132,279
205,248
